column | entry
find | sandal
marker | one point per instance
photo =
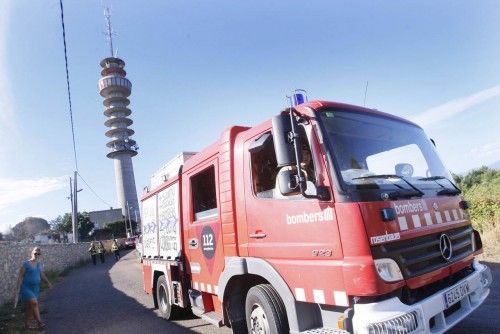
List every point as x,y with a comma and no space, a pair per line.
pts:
41,326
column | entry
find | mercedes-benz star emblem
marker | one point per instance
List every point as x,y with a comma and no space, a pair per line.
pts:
445,247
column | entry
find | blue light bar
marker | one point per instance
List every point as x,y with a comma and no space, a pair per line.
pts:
298,98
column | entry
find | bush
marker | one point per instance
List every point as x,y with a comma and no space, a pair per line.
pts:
481,187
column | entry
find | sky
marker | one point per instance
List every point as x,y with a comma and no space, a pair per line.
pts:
198,67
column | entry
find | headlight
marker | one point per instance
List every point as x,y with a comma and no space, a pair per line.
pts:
406,323
388,270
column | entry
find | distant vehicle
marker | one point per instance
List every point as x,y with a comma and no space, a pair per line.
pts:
130,243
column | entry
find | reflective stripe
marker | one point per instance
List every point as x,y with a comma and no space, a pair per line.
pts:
416,221
319,296
428,219
340,298
447,215
402,223
300,294
439,219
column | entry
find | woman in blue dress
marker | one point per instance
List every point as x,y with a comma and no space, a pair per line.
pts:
28,286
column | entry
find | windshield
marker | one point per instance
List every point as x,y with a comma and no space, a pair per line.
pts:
376,153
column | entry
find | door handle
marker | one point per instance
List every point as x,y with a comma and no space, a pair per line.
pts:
193,244
258,235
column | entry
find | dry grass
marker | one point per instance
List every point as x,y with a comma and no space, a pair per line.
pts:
491,244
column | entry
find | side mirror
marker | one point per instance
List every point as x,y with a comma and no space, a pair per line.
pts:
283,141
287,182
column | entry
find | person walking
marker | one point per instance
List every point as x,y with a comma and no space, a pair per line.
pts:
93,252
101,251
116,250
28,287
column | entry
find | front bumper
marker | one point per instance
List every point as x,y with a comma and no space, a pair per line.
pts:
426,316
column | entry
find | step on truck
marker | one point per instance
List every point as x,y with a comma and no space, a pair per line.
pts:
327,218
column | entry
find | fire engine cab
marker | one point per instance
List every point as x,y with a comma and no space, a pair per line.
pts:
327,218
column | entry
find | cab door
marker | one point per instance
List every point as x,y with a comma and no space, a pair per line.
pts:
297,236
287,227
204,243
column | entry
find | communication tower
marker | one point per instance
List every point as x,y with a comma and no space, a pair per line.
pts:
115,88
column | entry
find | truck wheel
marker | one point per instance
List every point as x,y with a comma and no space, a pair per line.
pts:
167,310
265,311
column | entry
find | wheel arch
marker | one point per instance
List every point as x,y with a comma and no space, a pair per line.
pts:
243,272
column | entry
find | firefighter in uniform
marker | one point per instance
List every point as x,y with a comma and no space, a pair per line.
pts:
116,250
93,252
101,251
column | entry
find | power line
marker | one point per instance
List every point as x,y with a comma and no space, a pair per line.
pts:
67,83
92,190
71,108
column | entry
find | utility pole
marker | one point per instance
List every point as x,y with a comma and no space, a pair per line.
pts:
75,209
129,221
136,221
72,209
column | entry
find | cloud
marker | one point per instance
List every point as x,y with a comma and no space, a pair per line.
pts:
14,191
487,150
456,106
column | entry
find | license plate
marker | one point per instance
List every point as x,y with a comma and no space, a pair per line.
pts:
456,294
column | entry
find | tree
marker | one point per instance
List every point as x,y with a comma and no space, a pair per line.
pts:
62,223
65,224
476,177
84,225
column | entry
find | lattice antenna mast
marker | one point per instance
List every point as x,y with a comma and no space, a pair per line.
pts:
109,30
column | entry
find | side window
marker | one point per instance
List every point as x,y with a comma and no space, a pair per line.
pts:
203,194
265,167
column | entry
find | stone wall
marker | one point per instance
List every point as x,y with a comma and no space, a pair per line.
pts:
55,257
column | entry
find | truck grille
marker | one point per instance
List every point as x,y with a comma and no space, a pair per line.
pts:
422,255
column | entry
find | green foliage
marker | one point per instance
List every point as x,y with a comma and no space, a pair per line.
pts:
62,223
481,187
65,224
84,225
114,230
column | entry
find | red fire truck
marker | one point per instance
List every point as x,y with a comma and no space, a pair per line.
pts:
328,218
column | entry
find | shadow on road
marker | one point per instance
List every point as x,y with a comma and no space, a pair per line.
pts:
88,301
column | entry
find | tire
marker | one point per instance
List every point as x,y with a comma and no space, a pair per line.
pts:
167,310
265,311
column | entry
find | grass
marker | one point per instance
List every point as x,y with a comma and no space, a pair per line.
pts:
12,320
491,244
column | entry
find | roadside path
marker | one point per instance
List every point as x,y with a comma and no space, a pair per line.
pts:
109,299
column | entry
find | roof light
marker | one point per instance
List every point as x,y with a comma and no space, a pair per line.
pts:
299,96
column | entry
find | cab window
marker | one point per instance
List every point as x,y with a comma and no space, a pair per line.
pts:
203,194
265,167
